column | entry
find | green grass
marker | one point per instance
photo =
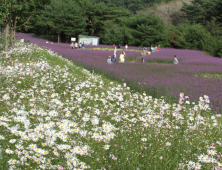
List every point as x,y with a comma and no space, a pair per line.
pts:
163,61
153,60
212,75
140,131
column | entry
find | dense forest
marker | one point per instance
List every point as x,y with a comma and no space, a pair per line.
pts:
195,25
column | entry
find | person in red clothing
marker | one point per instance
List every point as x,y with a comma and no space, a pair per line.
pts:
158,48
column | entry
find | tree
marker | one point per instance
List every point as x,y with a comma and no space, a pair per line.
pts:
69,20
12,11
194,36
208,14
201,11
146,29
98,14
114,35
139,30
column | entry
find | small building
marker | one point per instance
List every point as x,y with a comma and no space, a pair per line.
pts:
89,40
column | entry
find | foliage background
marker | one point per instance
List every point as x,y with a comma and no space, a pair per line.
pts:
194,24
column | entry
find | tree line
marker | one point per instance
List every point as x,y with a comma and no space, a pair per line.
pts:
116,22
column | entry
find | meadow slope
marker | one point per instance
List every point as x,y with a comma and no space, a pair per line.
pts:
56,115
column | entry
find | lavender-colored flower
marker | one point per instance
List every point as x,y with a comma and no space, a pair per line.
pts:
156,78
61,168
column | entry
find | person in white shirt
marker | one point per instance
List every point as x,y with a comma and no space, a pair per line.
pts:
126,47
175,61
72,45
122,57
22,40
109,61
76,45
114,54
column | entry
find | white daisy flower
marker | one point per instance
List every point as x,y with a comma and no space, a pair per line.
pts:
106,147
144,139
168,144
12,141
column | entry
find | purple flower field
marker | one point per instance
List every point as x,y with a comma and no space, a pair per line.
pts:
162,79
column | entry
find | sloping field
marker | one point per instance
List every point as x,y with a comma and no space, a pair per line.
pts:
57,115
196,74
